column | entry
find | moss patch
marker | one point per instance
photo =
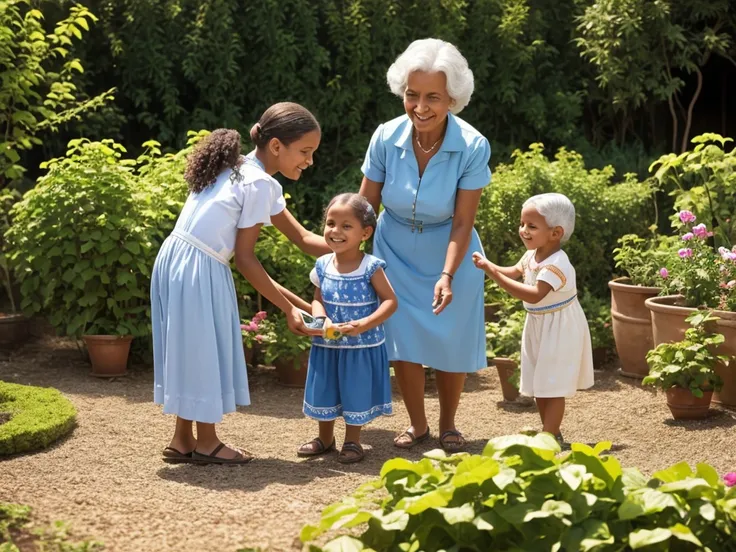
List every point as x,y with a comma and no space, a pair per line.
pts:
35,417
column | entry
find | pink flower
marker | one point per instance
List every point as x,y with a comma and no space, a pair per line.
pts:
664,273
688,236
260,315
260,338
685,253
727,255
731,284
243,327
700,230
730,479
251,327
686,216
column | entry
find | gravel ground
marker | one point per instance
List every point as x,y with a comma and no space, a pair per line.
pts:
108,479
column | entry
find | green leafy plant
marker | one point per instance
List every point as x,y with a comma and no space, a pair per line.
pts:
641,259
8,198
279,343
504,337
38,92
598,313
690,363
519,494
80,247
706,277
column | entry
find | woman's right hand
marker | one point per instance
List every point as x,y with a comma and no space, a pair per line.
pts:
295,322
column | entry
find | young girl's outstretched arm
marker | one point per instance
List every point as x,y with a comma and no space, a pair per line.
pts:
389,304
307,241
503,277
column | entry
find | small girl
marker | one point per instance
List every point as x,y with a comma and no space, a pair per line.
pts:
348,375
199,364
556,353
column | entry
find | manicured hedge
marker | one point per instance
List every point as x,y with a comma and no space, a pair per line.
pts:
39,417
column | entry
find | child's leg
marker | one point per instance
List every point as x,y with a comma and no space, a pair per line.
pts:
326,435
351,451
208,441
183,439
552,410
352,433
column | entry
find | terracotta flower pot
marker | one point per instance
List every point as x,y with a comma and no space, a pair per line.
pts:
686,406
108,354
252,354
668,324
506,367
14,330
292,372
632,325
600,355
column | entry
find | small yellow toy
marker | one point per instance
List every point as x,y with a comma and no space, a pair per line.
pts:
331,333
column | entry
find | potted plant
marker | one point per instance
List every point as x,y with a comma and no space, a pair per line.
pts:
685,369
81,250
598,313
699,277
253,332
287,352
504,341
640,260
13,324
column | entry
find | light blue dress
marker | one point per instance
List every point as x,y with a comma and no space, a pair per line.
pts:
199,362
349,376
412,237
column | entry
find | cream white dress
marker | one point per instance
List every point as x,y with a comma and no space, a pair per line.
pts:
556,352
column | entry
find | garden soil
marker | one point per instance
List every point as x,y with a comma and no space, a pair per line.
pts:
107,478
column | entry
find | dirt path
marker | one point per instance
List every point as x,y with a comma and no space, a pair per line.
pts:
107,478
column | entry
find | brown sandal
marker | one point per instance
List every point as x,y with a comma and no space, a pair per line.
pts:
306,450
174,456
351,446
452,446
242,457
415,440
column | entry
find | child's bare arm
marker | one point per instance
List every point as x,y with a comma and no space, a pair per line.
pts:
484,264
524,292
389,304
318,309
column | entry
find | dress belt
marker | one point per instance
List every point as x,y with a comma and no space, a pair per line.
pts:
417,225
551,308
199,244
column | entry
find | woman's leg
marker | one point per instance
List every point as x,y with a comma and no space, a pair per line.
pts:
554,410
208,441
449,388
183,439
410,377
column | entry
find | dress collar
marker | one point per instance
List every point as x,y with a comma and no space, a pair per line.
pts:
453,135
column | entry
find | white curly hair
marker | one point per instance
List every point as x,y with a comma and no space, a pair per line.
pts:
557,210
431,55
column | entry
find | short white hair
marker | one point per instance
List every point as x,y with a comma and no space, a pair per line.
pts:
432,55
557,210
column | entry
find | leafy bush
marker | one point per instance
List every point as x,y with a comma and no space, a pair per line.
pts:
38,417
504,336
279,343
642,259
80,246
689,363
518,495
604,210
598,314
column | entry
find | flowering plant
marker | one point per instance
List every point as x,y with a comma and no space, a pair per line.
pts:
642,258
256,330
730,479
706,277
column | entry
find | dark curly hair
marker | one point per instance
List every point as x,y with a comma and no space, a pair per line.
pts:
362,209
286,121
218,151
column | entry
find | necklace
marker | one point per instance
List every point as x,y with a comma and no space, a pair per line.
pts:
430,149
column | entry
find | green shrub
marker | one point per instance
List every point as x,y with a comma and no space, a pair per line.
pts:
605,210
598,314
38,417
519,495
641,259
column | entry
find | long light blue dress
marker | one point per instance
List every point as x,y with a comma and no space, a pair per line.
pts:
199,362
412,237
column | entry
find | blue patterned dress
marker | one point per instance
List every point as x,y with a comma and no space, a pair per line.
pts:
348,377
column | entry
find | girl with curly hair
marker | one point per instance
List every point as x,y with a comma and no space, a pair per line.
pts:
199,364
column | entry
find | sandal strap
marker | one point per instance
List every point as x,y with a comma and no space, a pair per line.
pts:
218,448
351,446
451,433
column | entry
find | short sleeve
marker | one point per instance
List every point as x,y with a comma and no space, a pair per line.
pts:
261,200
374,165
523,262
374,265
477,174
553,275
314,278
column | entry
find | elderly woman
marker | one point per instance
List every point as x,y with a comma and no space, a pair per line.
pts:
428,168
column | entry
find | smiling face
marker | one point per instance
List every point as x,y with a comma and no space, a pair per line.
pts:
297,156
426,100
534,230
343,230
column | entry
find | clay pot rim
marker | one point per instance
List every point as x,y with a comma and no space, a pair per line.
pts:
12,317
103,337
664,305
505,360
619,285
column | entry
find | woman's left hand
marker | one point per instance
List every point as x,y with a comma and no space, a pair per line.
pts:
442,294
